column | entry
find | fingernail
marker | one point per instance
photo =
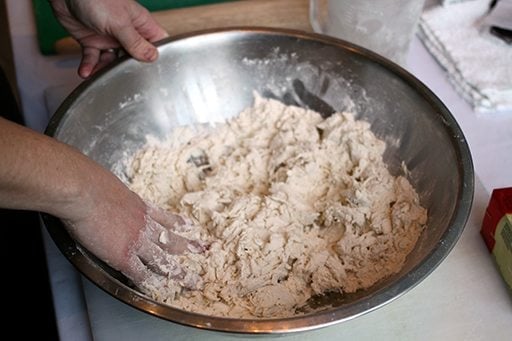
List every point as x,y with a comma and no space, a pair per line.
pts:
163,237
151,54
85,71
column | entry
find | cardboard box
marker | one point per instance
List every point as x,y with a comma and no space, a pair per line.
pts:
497,231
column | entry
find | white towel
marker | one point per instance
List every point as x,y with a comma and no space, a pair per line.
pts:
451,2
479,65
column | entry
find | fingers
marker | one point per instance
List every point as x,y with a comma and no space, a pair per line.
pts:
170,242
177,245
106,57
137,37
196,246
136,45
156,253
99,25
167,219
167,239
138,272
158,263
150,29
90,58
93,60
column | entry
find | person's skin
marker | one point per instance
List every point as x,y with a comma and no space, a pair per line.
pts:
42,174
100,26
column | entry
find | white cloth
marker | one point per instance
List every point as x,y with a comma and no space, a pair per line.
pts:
451,2
479,65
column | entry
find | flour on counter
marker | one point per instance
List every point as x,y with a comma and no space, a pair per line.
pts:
292,205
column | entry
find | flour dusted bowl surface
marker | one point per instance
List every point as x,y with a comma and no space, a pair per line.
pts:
212,76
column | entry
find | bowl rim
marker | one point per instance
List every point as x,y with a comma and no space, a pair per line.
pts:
82,261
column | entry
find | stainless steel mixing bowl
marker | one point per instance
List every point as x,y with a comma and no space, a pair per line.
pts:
213,76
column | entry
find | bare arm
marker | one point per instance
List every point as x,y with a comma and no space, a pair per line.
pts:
35,164
40,173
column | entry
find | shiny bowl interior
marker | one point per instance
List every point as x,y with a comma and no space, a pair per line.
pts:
212,76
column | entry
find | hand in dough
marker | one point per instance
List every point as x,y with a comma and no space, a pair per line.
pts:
116,225
156,241
99,210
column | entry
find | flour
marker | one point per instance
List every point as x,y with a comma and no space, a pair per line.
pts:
292,205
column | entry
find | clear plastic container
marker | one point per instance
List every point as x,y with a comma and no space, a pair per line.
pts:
383,26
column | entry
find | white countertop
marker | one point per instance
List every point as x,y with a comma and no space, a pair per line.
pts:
463,299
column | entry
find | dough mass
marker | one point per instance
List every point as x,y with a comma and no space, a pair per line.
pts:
292,205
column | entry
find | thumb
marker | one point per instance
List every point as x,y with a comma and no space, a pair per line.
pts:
136,45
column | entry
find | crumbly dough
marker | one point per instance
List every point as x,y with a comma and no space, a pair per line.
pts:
292,205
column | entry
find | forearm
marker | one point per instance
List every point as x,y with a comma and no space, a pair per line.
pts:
40,173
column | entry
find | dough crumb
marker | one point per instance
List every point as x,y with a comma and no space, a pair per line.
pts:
292,205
